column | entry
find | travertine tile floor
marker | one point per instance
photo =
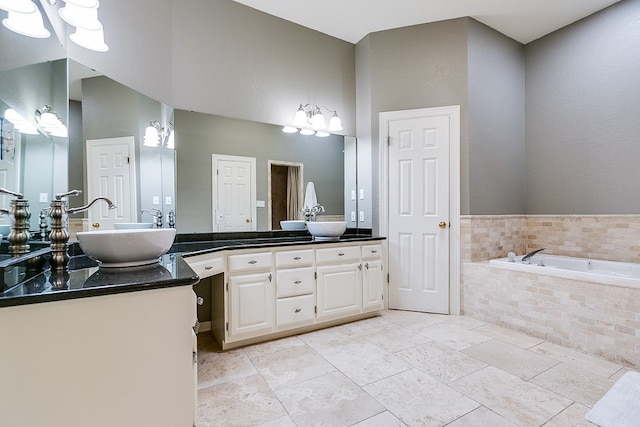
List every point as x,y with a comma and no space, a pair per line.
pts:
401,368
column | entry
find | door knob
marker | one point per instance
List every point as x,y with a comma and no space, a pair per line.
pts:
96,225
442,224
247,220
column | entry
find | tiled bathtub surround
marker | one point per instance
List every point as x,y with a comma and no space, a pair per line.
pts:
597,319
608,237
484,237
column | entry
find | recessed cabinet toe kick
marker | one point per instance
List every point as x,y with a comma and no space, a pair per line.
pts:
276,292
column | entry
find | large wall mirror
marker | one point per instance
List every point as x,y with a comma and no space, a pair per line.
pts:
37,73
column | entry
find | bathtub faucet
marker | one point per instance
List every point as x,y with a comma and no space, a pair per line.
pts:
527,258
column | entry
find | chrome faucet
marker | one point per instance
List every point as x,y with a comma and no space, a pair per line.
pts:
19,213
59,235
156,214
527,258
310,213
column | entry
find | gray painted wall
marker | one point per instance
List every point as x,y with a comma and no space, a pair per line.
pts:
198,136
413,67
583,116
221,57
496,155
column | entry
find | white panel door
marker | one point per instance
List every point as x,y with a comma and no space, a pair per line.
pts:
234,193
339,290
111,174
419,214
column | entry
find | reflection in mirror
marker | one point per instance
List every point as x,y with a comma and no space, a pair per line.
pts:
200,185
113,120
32,74
29,161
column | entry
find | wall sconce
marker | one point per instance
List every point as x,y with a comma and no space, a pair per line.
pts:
310,116
49,121
83,14
24,18
20,124
156,136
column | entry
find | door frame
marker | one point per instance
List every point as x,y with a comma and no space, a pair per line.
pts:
453,111
90,144
214,187
271,163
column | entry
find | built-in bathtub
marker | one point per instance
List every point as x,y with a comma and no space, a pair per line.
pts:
592,270
589,305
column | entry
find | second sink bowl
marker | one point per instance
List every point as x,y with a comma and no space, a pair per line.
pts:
126,248
327,230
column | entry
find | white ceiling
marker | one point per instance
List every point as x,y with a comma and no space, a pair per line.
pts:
351,20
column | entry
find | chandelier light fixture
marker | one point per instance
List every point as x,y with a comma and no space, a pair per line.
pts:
309,120
156,136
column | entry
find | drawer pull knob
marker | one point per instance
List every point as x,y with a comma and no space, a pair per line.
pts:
340,254
298,310
374,252
297,282
253,262
208,267
297,258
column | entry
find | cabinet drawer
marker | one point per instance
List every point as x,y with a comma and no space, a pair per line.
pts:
338,254
245,262
207,266
371,251
295,310
295,281
300,258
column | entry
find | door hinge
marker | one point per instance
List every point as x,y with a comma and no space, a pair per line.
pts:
227,286
388,278
315,309
227,326
388,140
382,297
270,277
195,357
128,160
315,275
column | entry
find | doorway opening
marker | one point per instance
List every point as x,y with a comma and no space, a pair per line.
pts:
285,181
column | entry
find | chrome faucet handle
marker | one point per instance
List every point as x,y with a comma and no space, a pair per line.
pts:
68,193
13,193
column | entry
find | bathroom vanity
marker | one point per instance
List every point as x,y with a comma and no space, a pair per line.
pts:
271,289
117,347
100,348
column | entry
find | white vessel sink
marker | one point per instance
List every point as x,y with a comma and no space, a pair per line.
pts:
126,248
293,225
327,230
132,225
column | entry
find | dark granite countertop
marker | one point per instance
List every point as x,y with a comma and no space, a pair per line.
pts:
27,279
89,280
201,243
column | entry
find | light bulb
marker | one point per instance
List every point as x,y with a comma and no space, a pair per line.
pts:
151,137
300,118
335,124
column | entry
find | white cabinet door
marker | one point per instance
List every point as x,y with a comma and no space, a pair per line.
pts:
339,290
372,285
251,305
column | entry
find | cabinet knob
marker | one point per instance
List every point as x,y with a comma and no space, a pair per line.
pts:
253,262
297,258
340,254
208,267
297,282
374,251
297,310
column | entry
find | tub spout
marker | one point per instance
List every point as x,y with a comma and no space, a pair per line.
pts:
527,258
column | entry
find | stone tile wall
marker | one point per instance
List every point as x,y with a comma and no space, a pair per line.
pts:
601,320
608,237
